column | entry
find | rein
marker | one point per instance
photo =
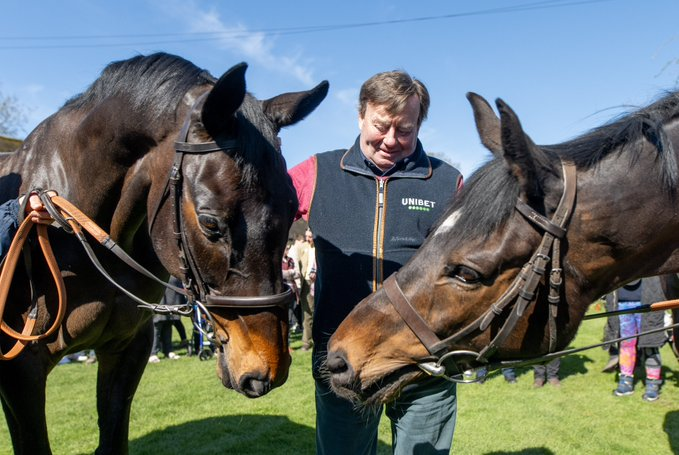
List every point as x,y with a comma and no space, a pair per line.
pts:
520,293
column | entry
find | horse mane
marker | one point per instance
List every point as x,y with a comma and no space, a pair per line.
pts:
153,83
621,134
489,196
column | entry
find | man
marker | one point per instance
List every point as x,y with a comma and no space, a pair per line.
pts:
308,268
370,208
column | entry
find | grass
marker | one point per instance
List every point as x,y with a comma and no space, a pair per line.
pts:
181,407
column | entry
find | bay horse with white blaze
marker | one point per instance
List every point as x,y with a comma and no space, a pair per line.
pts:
185,173
537,234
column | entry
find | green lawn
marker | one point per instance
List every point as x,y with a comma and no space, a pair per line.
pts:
181,408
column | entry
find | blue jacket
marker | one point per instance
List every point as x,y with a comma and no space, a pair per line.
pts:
9,224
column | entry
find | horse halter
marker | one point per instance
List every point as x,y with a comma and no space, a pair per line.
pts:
195,287
522,291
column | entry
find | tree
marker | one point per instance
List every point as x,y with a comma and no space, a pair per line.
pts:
12,116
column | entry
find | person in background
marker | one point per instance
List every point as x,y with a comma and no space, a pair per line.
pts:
370,207
307,263
632,295
290,277
163,323
547,372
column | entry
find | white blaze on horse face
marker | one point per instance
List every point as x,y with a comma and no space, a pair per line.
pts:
448,224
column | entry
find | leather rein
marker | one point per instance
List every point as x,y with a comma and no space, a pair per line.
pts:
72,220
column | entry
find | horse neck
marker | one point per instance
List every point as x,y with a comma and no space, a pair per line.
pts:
622,226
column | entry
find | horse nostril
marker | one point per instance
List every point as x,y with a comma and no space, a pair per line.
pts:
336,364
253,386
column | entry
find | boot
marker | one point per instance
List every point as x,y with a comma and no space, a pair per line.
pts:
652,389
625,386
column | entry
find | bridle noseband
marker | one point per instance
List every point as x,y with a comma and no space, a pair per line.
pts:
521,292
195,287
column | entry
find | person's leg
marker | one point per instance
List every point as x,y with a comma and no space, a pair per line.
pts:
341,428
423,418
308,309
552,368
155,349
166,337
177,323
539,375
629,326
653,366
509,375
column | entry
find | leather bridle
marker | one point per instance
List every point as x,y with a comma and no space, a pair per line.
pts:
194,285
520,293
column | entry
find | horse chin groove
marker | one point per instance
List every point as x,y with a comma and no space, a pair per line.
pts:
380,391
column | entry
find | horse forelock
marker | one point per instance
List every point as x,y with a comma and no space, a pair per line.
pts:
484,204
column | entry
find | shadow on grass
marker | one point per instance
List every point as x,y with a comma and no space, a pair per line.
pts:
530,451
671,427
242,434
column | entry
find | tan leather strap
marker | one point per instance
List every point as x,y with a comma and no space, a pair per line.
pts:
26,335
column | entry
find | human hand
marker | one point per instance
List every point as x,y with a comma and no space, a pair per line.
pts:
35,210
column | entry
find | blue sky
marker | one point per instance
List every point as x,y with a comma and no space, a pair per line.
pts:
565,66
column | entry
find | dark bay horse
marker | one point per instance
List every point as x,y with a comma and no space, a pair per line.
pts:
211,204
538,233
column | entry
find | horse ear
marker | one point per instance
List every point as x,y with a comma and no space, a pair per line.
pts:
518,151
290,108
487,123
224,99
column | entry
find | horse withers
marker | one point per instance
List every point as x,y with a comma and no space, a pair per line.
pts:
537,234
186,174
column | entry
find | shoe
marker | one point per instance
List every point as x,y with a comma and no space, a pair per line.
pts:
154,359
554,382
612,364
652,392
306,348
172,356
538,382
625,386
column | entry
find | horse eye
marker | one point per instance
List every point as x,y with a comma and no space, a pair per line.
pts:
210,224
464,274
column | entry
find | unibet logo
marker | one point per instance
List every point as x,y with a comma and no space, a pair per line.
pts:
413,203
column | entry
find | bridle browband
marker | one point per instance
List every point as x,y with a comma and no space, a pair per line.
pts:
521,292
195,287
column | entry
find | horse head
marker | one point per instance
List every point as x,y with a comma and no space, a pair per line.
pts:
220,221
511,267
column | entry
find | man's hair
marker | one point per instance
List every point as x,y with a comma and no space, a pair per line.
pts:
392,89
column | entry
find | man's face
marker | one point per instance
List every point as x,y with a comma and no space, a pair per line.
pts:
386,139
